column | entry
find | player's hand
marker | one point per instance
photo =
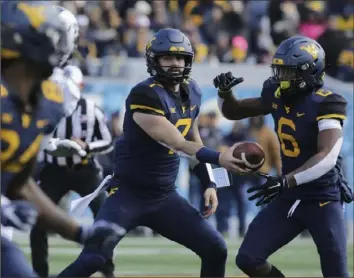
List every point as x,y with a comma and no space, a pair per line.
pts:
101,235
229,162
21,215
81,143
270,190
226,81
64,148
210,201
71,146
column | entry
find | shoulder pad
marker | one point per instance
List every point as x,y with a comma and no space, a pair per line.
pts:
327,95
52,92
334,98
145,89
269,89
58,75
332,106
149,82
191,83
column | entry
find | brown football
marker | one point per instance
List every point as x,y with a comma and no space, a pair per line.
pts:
251,153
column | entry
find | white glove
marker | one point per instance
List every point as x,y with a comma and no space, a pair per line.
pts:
19,214
64,147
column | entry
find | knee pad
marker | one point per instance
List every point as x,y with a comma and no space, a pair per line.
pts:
246,262
216,253
221,251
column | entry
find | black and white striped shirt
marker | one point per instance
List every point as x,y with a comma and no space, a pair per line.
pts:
87,123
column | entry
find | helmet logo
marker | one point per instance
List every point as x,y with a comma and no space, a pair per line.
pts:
175,48
277,61
310,49
148,46
35,14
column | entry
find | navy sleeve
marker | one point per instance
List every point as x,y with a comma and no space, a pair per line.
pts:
144,99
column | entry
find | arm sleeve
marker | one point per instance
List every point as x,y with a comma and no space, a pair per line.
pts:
144,99
204,173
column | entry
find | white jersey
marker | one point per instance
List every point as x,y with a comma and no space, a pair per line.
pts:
72,96
70,90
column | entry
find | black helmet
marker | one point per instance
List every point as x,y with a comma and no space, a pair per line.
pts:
169,42
298,65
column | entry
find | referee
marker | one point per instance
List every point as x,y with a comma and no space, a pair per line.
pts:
87,127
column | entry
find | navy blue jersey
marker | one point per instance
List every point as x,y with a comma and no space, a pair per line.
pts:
140,160
22,133
297,128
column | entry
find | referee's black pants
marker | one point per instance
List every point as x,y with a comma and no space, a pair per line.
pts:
56,181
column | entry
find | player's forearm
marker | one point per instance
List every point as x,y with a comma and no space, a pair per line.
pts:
100,147
235,109
49,215
314,160
315,167
329,145
189,147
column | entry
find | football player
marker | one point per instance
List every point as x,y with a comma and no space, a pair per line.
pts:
159,125
71,95
308,120
31,46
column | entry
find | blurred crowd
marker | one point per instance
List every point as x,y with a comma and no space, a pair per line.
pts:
220,31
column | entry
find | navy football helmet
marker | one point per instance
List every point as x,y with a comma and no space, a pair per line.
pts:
169,42
298,66
32,30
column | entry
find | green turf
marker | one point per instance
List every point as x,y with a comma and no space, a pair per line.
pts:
160,257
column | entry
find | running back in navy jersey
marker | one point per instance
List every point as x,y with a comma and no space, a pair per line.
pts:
297,128
22,133
140,160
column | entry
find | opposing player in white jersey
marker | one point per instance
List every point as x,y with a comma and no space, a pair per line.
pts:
63,76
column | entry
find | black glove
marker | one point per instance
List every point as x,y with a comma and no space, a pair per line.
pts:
270,190
225,81
21,215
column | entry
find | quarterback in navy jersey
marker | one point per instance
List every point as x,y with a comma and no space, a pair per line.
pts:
309,195
159,126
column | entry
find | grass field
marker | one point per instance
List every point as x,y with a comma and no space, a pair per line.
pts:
160,257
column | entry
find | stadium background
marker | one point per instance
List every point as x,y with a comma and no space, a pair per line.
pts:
237,36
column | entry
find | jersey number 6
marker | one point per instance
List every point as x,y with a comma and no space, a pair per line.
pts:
294,151
186,123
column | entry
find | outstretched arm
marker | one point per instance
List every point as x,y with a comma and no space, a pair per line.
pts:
238,109
232,108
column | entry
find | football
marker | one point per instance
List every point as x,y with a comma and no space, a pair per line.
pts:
251,153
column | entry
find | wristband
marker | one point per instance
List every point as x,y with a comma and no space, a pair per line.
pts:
224,94
207,155
201,171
